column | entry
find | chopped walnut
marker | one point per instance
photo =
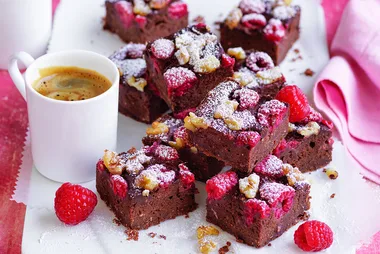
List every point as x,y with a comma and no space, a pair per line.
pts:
138,83
147,181
311,128
112,162
182,55
193,122
243,78
145,193
238,53
193,149
292,174
292,127
207,64
288,2
270,75
157,128
206,247
234,18
177,144
233,123
331,173
249,185
203,231
141,8
158,4
225,109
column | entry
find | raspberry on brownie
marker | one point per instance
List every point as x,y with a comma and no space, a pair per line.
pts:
260,207
169,130
186,65
138,97
308,144
271,26
145,187
237,126
145,20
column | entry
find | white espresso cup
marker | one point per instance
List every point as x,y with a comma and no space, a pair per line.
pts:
68,137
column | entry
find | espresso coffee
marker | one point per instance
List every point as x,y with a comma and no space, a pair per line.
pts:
68,83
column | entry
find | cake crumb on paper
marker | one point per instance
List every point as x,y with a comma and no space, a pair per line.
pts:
132,234
309,72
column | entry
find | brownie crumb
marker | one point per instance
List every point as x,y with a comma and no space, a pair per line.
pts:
199,19
309,72
187,216
152,234
291,70
132,234
305,216
324,170
228,244
239,240
297,51
332,195
162,237
116,221
269,244
224,250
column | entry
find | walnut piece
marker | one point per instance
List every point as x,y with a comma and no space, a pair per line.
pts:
147,181
112,162
141,8
138,83
207,64
206,247
233,18
145,193
238,53
157,128
177,144
233,123
225,109
193,122
243,78
331,173
203,231
249,185
311,128
158,4
292,174
270,75
182,55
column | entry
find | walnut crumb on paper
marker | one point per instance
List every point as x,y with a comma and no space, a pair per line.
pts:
132,234
309,72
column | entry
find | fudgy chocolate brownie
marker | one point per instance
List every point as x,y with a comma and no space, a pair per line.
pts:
142,21
260,207
138,97
271,26
145,187
186,65
170,131
235,125
308,144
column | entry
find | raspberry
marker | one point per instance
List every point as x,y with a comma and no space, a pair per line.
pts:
141,20
313,236
119,185
227,61
182,134
162,48
250,138
177,10
220,184
187,178
125,11
259,61
271,166
100,166
283,145
299,106
271,113
74,203
252,6
166,153
278,196
183,114
134,50
313,116
254,207
329,124
247,98
254,21
201,26
274,31
179,80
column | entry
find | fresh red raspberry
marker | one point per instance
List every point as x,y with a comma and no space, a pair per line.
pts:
74,203
100,166
125,11
162,48
254,208
227,61
329,124
166,153
179,80
201,26
299,106
250,138
271,113
313,236
183,114
274,31
283,145
187,178
177,10
313,116
141,20
259,61
278,196
247,98
220,184
252,6
119,185
182,134
254,21
271,166
134,50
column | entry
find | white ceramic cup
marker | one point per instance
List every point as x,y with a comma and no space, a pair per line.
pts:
68,137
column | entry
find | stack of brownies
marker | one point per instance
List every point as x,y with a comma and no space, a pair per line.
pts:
227,108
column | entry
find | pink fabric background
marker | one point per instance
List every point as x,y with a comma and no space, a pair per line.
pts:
13,124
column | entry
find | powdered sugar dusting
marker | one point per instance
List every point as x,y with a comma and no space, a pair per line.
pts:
284,12
179,76
272,192
271,166
269,112
162,48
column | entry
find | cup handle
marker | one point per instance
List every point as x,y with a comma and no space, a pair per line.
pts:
15,72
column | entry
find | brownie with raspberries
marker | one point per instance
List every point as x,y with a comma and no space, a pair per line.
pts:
187,65
260,207
308,144
171,131
141,21
271,26
237,126
138,96
145,187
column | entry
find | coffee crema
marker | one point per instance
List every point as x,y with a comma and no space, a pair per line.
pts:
69,83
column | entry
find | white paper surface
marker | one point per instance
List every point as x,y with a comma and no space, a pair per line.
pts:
352,214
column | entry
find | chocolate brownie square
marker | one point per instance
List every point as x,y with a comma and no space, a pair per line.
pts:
260,207
138,97
145,187
235,125
141,21
308,144
171,131
262,25
187,65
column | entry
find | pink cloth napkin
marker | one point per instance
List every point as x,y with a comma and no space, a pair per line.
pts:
348,90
